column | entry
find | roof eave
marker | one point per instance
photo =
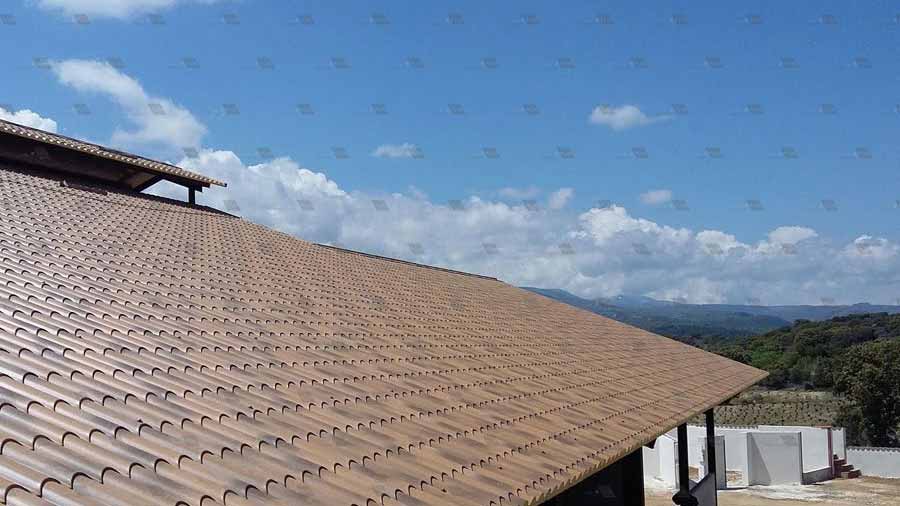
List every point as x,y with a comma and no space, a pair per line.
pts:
128,165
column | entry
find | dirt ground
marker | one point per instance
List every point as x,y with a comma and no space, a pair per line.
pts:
857,492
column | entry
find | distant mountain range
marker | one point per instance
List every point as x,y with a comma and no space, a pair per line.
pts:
702,323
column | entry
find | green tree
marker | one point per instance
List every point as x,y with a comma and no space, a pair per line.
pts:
869,374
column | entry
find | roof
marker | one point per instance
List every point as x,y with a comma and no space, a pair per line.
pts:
132,171
156,353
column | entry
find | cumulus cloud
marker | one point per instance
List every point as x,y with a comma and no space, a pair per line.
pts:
598,252
717,242
29,118
121,9
791,235
867,247
510,192
621,118
286,196
560,198
656,197
405,150
158,122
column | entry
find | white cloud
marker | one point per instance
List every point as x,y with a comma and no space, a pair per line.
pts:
121,9
717,242
519,193
158,122
599,252
791,235
603,225
29,118
608,251
866,247
656,197
621,118
405,150
560,198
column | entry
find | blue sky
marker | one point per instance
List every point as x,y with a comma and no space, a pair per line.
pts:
715,94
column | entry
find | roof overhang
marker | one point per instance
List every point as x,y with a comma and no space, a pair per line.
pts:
70,156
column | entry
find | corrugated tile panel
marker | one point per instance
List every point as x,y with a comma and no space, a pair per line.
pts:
153,353
103,152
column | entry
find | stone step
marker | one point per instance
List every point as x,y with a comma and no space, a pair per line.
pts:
855,473
839,462
845,468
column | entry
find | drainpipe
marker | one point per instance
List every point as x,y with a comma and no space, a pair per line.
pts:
683,497
711,444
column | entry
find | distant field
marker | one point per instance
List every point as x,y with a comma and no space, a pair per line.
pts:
780,407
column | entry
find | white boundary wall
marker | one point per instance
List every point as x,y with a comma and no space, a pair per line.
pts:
881,462
775,458
660,464
813,464
735,447
721,464
840,442
815,445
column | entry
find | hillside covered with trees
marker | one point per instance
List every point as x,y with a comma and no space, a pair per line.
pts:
805,353
844,370
705,325
856,356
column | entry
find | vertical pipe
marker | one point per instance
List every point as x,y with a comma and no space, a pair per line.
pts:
710,443
831,451
683,497
683,466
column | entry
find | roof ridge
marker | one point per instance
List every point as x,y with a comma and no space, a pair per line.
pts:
407,262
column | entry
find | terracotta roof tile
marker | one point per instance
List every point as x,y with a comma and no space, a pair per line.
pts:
155,353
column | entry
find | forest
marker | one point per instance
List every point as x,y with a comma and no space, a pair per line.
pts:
855,356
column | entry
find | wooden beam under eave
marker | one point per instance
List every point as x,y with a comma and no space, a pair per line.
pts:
147,184
68,161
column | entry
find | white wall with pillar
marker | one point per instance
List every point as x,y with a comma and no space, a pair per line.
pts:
721,475
818,447
775,458
660,463
812,464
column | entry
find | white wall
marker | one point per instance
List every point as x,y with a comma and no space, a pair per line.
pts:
882,462
817,476
735,447
651,461
696,440
660,464
736,452
807,461
815,445
775,458
839,438
668,460
697,443
721,464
